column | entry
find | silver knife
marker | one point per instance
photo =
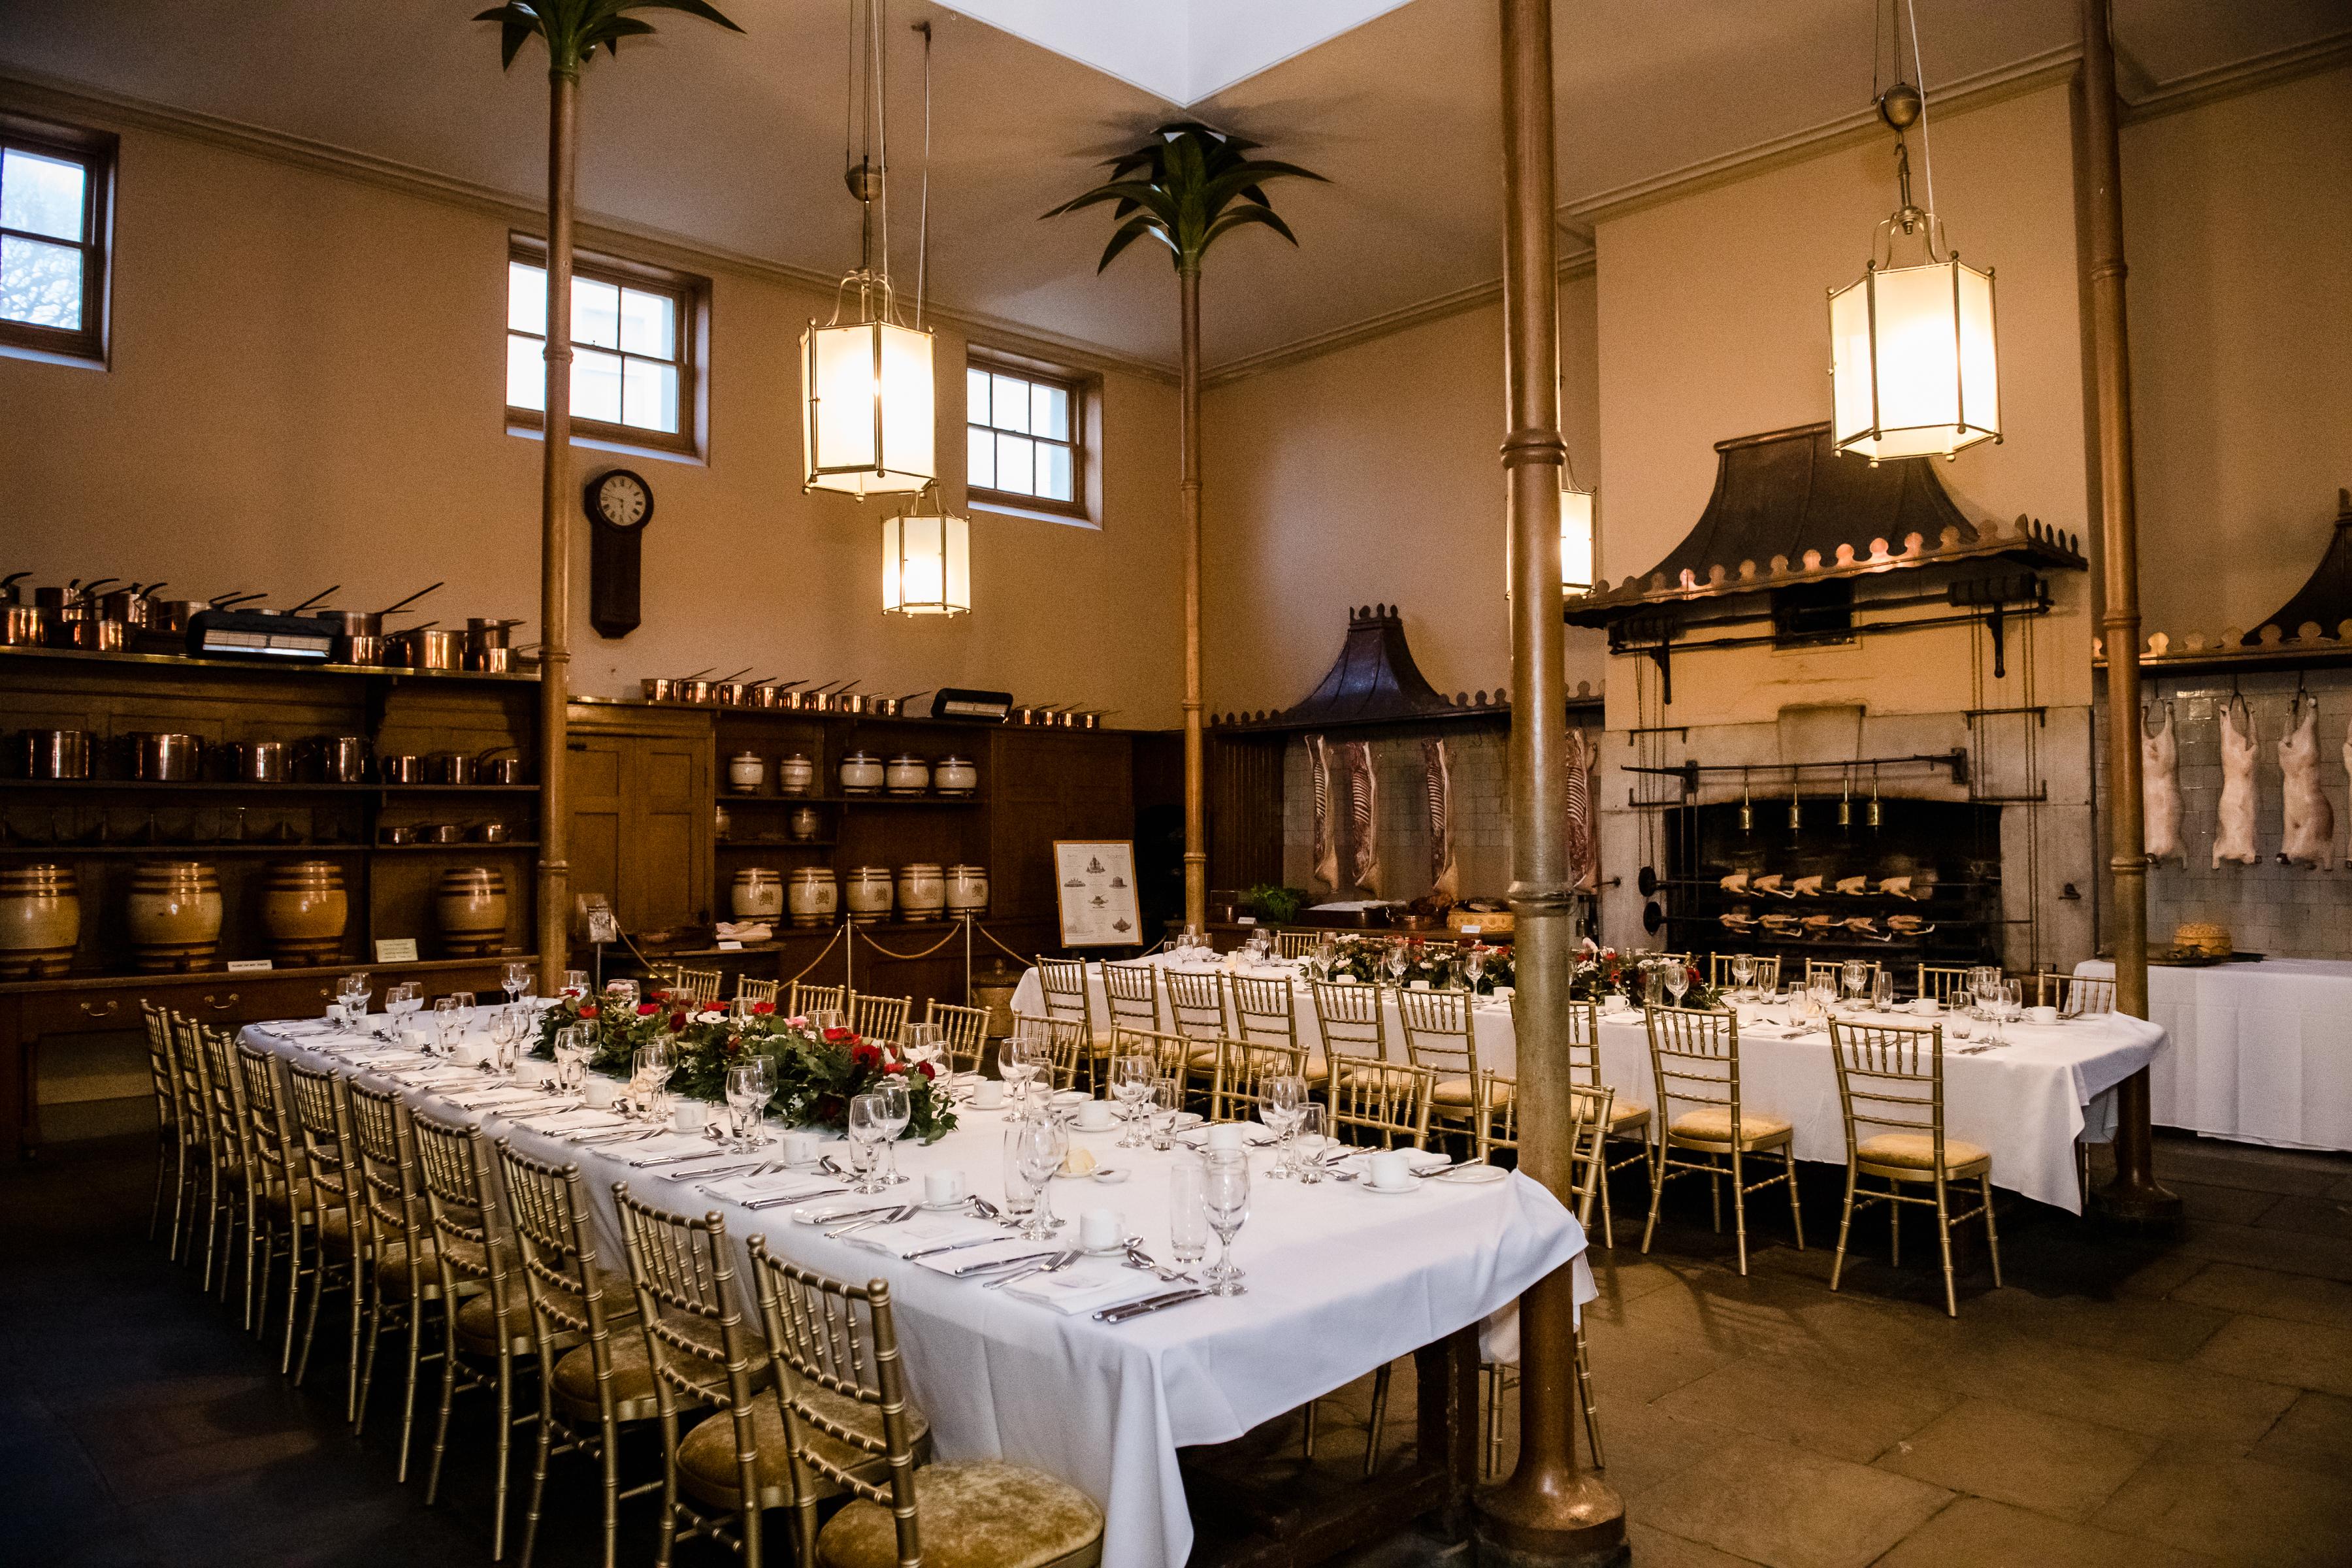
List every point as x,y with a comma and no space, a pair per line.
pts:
1053,1265
785,1200
954,1247
1125,1311
1017,1261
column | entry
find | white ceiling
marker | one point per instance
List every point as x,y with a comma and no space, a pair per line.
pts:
735,141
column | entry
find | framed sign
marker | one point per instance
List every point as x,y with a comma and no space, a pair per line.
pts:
1094,885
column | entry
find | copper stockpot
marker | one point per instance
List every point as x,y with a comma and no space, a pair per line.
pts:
423,648
492,768
659,688
262,761
449,768
164,757
369,650
695,691
24,626
400,768
95,635
336,758
51,753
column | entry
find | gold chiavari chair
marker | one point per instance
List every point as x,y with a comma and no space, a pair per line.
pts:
1892,1078
2075,995
1353,1024
1588,1113
1064,983
1070,1041
283,1210
327,1155
1297,943
1242,1069
810,1000
849,1425
587,1391
1948,986
170,1147
1440,1034
1695,1059
230,1196
195,1129
1266,1013
966,1029
698,986
718,1477
1392,1104
1196,1007
1132,992
750,990
877,1017
1831,973
1622,1124
480,1273
403,1274
1171,1055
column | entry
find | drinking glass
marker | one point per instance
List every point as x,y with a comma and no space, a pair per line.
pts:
1279,1110
1188,1212
1327,953
623,992
1398,960
514,981
1743,971
825,1018
1041,1142
1310,1143
1677,979
571,1057
1961,1024
1882,993
575,983
1225,1193
867,1127
1020,1195
506,1033
446,1025
898,1107
1166,1106
1855,974
1474,965
1130,1083
742,1093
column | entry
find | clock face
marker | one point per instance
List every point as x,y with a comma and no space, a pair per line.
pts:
621,499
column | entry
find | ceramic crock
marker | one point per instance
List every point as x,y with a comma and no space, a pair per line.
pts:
967,889
861,774
796,774
907,775
40,920
923,891
868,894
746,773
813,895
758,893
174,915
471,904
954,775
304,909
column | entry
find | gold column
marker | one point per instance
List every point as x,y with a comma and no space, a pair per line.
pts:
1187,484
1549,1511
2134,1197
555,504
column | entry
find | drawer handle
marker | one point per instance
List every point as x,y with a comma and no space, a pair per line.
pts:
220,1007
100,1012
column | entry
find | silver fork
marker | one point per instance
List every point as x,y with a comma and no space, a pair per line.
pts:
1060,1260
1138,1258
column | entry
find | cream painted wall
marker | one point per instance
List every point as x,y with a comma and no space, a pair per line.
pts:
1713,323
306,390
2238,229
1369,476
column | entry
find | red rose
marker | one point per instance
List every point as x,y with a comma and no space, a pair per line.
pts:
677,1023
660,995
834,1036
863,1055
589,1012
926,1069
894,1066
831,1108
1693,970
646,1009
762,1009
734,1044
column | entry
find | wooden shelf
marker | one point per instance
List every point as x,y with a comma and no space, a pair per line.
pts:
732,801
777,843
234,787
263,666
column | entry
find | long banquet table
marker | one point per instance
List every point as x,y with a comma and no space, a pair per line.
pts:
2028,1101
1340,1281
2261,1052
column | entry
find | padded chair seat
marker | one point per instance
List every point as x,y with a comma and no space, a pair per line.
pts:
392,1270
575,1379
1916,1152
1712,1124
706,1460
1456,1093
1624,1118
983,1514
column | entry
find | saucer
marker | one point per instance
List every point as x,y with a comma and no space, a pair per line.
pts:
1119,1251
962,1202
1412,1186
1471,1176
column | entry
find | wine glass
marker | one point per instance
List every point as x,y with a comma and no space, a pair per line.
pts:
575,983
865,1133
1167,1107
897,1108
1225,1193
514,981
508,1026
1473,963
445,1026
1743,973
1013,1063
1677,979
1284,1094
1130,1082
571,1057
1040,1143
1326,953
1397,961
1855,974
1188,1213
624,993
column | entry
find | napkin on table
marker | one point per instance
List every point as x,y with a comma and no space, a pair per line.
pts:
1419,1159
925,1231
573,1121
669,1146
1088,1285
781,1185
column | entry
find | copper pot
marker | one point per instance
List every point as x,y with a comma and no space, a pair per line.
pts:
262,761
128,605
95,635
659,688
398,833
773,694
493,767
695,691
367,651
52,754
24,626
165,758
337,759
449,768
497,660
423,648
400,768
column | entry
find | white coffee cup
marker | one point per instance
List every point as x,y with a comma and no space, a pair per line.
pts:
531,1074
1094,1116
2042,1015
1387,1171
1613,1002
1927,1007
1226,1135
942,1188
598,1092
803,1148
471,1056
415,1039
988,1094
1068,1100
691,1116
1100,1229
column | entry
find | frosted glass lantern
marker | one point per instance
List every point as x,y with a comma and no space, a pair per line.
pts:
1914,369
1576,542
869,429
926,562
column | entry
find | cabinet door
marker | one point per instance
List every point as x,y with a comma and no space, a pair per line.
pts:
641,819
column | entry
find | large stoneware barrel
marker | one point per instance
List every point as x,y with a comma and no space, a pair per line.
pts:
304,909
813,895
923,891
758,893
967,890
174,915
472,903
40,920
867,893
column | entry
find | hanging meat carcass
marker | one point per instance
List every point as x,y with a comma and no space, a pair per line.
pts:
2310,838
1363,814
2233,833
1444,877
1583,831
1326,846
2159,763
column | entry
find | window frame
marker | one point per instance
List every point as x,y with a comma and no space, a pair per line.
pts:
96,152
1082,390
690,297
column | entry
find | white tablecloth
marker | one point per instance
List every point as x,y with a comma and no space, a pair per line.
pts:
2261,1052
1340,1281
2028,1101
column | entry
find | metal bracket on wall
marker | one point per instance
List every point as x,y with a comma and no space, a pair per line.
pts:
2041,714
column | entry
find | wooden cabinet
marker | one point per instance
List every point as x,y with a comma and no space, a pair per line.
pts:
640,779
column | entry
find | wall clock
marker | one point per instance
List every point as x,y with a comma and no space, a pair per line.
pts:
620,507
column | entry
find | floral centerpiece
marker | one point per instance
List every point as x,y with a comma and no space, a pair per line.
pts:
1603,972
816,1072
1366,959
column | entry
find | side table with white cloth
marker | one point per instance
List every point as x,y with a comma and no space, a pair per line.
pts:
2261,1052
2027,1101
1340,1280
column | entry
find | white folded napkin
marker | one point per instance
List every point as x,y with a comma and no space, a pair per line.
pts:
573,1121
668,1146
302,1026
505,1096
925,1231
781,1184
1088,1285
974,1259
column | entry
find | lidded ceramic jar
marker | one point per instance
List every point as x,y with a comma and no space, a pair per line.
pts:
758,893
954,775
907,775
40,920
174,915
967,889
804,824
923,891
796,774
304,909
867,893
746,772
813,895
472,903
861,774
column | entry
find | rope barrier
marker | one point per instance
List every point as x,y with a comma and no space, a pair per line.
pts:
927,953
821,951
1017,957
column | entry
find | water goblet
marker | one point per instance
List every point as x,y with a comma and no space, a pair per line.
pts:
575,983
1225,1193
1166,1106
1188,1212
1131,1081
1041,1143
1020,1196
1743,971
1677,981
1853,974
865,1143
1284,1094
514,979
897,1108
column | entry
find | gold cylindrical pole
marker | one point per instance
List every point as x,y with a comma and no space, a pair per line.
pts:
556,505
1187,484
1549,1511
2134,1197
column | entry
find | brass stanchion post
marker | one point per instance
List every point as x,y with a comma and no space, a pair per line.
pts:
1548,1512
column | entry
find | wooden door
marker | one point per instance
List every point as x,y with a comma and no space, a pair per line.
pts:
642,812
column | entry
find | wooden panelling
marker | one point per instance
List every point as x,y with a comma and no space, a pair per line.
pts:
642,813
1244,810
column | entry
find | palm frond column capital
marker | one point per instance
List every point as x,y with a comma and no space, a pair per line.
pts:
573,30
1187,186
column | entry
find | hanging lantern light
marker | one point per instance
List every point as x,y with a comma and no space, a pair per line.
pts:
1913,363
868,424
926,559
1576,538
